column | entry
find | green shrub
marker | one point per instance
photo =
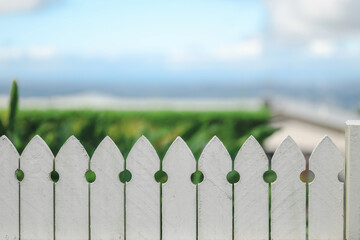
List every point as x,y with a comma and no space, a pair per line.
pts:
160,127
9,128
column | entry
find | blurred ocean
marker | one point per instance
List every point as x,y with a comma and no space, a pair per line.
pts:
341,95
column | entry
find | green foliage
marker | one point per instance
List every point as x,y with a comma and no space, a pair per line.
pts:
13,105
160,127
2,128
9,130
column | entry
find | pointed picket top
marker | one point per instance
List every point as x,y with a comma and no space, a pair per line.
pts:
107,145
72,144
251,203
71,191
326,192
215,192
142,192
36,203
141,145
107,192
178,145
5,143
9,189
179,163
214,146
288,192
38,144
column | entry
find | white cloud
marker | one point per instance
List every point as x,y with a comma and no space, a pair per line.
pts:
246,49
33,52
314,18
322,48
352,47
10,53
180,56
7,6
43,52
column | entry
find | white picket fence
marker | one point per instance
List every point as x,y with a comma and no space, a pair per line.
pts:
72,208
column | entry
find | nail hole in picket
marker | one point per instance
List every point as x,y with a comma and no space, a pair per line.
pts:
54,175
161,176
307,176
19,174
233,177
90,176
270,176
197,177
125,176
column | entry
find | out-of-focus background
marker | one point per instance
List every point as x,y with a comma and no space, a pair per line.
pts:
194,68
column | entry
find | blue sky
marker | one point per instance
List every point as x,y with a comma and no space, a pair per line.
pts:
180,41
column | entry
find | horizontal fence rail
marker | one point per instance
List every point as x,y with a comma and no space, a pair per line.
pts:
73,196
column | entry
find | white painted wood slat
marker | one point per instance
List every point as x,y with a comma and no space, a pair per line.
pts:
288,193
71,192
179,193
107,192
326,193
352,136
36,203
142,193
215,193
9,189
251,217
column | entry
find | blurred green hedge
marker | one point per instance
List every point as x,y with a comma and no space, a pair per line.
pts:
160,127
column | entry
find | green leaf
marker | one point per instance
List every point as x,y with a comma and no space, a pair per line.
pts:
2,129
14,99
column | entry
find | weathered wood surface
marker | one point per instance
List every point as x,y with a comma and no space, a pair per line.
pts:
215,193
107,192
352,180
179,193
36,203
251,216
326,193
72,192
288,193
142,193
9,189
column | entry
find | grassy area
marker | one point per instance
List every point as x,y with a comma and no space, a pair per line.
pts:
160,127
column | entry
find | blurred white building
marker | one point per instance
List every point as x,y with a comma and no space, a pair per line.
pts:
307,124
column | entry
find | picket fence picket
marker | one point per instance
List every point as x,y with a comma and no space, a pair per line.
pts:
179,193
288,193
142,192
251,193
72,208
9,190
72,192
215,192
107,192
326,193
37,200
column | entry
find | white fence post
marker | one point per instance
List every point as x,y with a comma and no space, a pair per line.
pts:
37,191
107,192
251,217
288,193
72,192
215,193
9,190
326,193
142,192
179,193
352,182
